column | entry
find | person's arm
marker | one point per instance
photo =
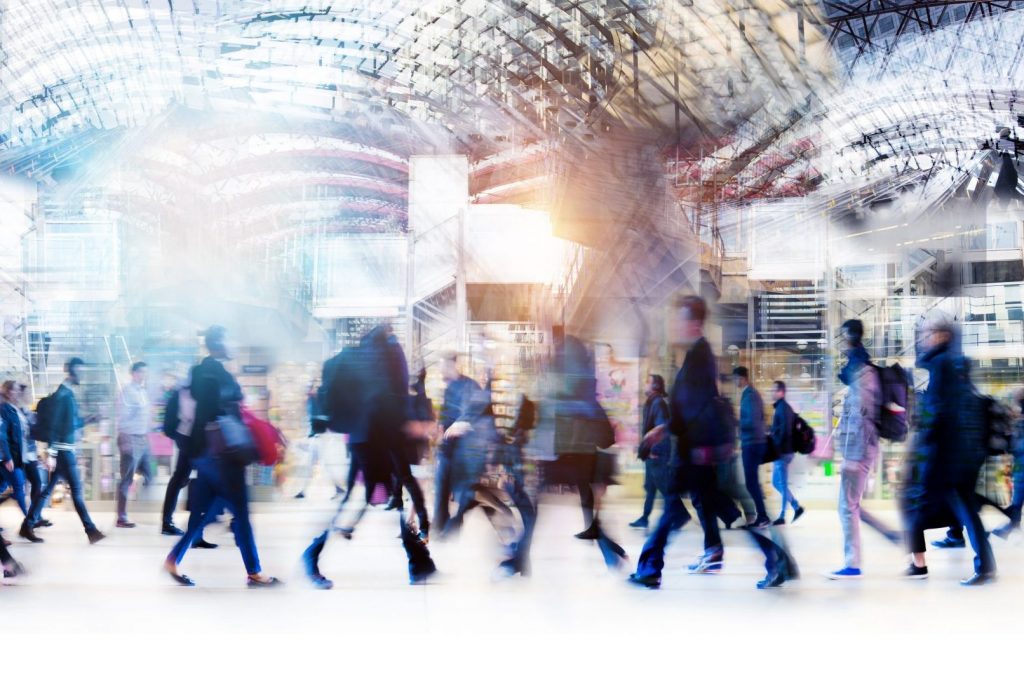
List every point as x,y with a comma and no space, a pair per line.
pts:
779,425
747,413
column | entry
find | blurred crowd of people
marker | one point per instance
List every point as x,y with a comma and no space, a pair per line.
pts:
368,399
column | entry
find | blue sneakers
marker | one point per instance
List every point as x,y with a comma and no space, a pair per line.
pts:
845,573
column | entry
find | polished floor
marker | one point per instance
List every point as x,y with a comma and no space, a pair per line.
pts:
117,587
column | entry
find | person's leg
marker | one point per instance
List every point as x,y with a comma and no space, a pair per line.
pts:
852,482
145,459
354,468
966,508
67,461
729,485
419,503
752,455
779,483
35,481
520,559
178,481
442,489
129,464
704,487
586,492
16,480
652,556
1017,502
231,488
202,505
650,491
36,510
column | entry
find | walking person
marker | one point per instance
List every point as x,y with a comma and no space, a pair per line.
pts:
949,452
12,464
64,426
857,440
655,458
701,439
418,428
18,423
457,393
753,443
133,424
782,439
368,390
220,480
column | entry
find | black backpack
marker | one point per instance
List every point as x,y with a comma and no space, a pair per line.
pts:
42,429
804,439
892,406
998,426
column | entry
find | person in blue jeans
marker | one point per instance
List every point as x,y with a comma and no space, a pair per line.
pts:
782,436
219,480
65,423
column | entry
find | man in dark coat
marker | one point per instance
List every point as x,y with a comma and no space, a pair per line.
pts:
655,458
698,444
753,443
948,454
368,388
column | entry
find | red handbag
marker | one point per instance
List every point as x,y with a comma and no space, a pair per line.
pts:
269,442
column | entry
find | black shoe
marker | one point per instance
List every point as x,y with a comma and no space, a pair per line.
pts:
781,521
950,542
915,572
42,523
420,578
300,495
394,504
13,569
125,524
95,536
345,531
591,533
771,581
29,534
639,523
645,580
979,579
204,544
798,514
271,582
171,530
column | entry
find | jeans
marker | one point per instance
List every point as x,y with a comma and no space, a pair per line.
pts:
656,472
753,457
219,482
853,480
780,480
67,469
34,476
135,457
15,479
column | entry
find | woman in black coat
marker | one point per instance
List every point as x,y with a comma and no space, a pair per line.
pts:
948,453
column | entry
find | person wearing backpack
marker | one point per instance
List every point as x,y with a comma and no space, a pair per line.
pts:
702,440
949,451
782,437
220,477
753,444
63,423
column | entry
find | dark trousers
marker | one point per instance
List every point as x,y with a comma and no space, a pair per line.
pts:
5,555
753,457
415,550
442,487
357,464
708,500
34,477
404,479
15,479
656,481
965,505
66,469
220,483
178,481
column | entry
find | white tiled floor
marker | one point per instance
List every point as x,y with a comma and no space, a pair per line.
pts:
117,586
